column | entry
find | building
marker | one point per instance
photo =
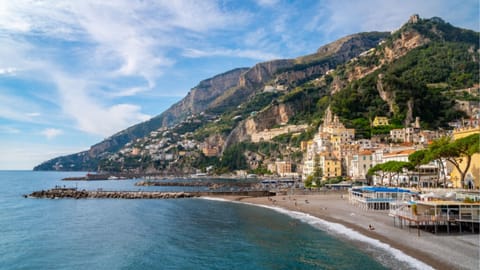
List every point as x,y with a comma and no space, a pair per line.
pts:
210,151
380,121
269,134
438,215
330,165
283,168
472,178
400,155
425,176
360,164
333,142
377,198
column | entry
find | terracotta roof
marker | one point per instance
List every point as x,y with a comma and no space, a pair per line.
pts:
399,153
365,152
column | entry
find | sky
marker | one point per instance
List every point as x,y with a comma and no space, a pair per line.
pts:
75,72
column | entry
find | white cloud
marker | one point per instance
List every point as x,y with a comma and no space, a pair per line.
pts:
33,114
8,71
51,133
128,38
89,114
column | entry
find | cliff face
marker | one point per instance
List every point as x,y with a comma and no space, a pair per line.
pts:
200,97
276,114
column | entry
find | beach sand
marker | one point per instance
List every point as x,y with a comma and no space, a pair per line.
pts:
442,251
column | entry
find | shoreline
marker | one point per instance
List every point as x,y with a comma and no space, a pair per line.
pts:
437,251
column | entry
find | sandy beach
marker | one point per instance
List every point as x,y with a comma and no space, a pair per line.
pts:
442,251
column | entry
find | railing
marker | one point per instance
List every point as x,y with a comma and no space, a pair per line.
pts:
464,217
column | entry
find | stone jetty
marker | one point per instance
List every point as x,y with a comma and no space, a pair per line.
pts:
57,193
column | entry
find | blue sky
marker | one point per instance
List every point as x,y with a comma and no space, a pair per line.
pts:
75,72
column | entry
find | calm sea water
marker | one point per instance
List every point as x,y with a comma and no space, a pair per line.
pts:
159,234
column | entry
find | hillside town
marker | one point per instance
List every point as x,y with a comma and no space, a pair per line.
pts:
333,155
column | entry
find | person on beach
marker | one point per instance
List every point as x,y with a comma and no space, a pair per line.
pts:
371,227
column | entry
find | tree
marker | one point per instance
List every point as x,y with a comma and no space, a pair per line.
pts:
435,153
233,158
317,170
456,152
418,158
377,170
461,151
390,168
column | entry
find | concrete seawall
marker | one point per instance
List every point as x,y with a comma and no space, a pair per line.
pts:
58,193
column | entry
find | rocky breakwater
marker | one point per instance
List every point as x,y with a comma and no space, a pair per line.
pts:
58,193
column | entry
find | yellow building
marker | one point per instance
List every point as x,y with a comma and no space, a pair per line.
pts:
331,166
380,121
472,178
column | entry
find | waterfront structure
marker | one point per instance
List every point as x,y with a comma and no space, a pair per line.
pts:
437,215
377,198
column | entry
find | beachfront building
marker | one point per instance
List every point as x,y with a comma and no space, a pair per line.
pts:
438,215
472,178
377,198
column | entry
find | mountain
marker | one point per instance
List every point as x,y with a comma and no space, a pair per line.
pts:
414,71
222,92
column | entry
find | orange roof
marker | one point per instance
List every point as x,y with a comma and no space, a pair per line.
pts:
406,144
400,153
365,152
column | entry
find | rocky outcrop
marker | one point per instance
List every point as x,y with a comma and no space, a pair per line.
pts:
387,96
408,40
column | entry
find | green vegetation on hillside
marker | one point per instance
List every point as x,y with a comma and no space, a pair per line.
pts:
413,78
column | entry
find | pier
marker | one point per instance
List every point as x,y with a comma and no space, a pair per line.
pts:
73,193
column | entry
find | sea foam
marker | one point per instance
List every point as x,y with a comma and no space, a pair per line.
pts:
340,230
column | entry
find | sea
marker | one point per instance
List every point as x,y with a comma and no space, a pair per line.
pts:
190,233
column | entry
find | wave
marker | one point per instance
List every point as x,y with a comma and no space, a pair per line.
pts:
340,230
